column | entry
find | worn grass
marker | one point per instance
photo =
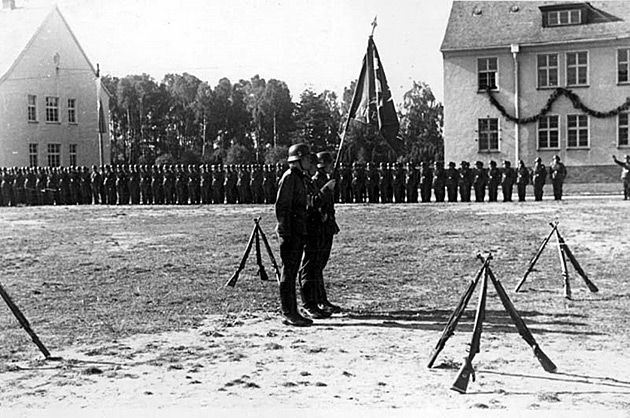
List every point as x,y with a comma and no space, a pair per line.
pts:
94,274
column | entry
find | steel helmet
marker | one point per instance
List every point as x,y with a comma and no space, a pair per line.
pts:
297,151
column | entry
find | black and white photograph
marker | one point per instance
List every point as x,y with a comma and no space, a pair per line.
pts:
329,208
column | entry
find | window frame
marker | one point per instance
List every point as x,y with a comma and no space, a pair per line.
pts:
72,111
33,154
558,13
72,155
488,149
31,106
54,154
577,66
52,110
627,62
578,128
547,55
549,148
496,73
627,127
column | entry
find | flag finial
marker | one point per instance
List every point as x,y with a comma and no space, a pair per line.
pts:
374,24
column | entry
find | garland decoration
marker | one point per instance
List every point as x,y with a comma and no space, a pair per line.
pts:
557,93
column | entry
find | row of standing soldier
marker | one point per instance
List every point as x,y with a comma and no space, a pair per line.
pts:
245,184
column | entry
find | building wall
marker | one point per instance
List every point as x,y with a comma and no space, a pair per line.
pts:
464,105
36,73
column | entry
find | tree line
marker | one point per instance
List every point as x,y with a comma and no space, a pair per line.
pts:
183,119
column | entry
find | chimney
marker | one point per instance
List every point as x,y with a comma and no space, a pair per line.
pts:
8,4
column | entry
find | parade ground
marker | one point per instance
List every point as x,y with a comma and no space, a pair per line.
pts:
133,301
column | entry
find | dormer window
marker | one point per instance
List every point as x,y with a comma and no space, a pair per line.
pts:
564,17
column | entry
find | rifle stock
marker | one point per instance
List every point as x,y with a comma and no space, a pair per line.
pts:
563,265
467,370
544,361
463,377
241,266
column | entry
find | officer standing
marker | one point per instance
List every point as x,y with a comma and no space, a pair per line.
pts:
399,184
539,176
494,180
290,208
507,180
465,181
329,227
480,180
452,180
557,172
625,175
439,181
522,180
426,181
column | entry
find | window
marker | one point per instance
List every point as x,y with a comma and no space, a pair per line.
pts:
577,131
488,130
32,155
577,68
623,129
548,130
32,108
54,155
487,69
548,70
623,65
72,110
73,154
564,17
52,109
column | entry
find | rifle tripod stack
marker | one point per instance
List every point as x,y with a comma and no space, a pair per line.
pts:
467,370
256,236
564,253
25,324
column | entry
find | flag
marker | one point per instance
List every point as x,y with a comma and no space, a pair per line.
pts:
372,103
102,122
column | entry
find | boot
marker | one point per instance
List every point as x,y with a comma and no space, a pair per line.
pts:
309,292
324,304
290,314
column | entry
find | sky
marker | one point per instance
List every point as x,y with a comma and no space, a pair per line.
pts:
316,44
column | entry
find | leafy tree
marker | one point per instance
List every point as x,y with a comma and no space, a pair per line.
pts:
276,154
421,124
317,119
238,154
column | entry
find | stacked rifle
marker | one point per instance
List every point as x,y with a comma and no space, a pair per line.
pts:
486,275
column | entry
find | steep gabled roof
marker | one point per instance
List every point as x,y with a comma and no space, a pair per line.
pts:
19,27
491,24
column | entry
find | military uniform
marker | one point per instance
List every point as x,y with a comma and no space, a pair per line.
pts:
385,183
290,209
269,183
218,185
256,185
411,183
507,181
557,172
465,181
181,185
522,180
231,181
18,187
625,175
345,184
494,180
452,182
426,182
243,185
399,184
539,177
372,180
439,181
480,180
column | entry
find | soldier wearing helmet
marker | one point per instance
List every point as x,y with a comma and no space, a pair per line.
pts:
290,209
539,176
372,179
439,181
399,184
494,179
557,172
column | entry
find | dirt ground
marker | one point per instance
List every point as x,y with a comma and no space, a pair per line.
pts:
132,299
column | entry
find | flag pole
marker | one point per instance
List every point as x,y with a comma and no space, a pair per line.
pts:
347,124
98,115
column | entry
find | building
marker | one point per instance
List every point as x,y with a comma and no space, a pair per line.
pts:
523,54
49,112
